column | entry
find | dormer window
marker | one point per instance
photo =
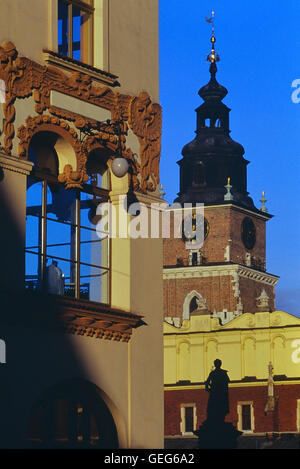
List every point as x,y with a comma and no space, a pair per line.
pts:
75,29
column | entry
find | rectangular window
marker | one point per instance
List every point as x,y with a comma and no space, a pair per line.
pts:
298,415
74,29
64,253
245,417
188,419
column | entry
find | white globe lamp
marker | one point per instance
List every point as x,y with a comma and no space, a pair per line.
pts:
119,166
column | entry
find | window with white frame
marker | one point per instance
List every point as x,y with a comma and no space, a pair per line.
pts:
245,416
188,419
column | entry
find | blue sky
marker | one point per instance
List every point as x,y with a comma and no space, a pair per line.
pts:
259,47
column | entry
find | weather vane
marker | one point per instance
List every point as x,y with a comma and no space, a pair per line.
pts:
211,21
212,56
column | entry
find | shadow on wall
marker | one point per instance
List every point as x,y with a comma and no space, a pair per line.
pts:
71,414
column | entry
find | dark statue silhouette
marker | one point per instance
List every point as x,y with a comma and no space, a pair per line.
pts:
215,433
217,386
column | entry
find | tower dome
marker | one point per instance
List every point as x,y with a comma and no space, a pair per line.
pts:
213,156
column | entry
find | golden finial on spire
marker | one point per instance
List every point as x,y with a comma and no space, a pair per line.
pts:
212,56
263,200
161,192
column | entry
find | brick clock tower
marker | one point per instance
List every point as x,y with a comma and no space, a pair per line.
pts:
227,275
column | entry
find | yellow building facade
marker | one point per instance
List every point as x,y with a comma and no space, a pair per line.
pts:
261,353
245,345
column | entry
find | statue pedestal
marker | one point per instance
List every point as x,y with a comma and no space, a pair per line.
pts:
214,434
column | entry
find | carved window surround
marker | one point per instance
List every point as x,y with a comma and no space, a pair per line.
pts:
72,65
25,78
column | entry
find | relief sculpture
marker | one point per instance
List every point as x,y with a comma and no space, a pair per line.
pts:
24,78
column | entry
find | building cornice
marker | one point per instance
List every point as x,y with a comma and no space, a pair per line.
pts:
72,65
217,271
229,205
14,164
185,332
69,315
235,384
234,206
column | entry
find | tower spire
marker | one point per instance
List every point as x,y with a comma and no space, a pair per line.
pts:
212,56
213,89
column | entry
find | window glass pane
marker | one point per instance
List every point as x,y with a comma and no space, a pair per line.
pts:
76,256
61,241
91,247
246,417
33,212
32,271
63,28
189,419
77,23
33,234
94,283
94,253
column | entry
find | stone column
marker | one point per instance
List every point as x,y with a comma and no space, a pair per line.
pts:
13,180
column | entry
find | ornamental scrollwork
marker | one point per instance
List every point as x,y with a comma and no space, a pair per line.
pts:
24,77
145,122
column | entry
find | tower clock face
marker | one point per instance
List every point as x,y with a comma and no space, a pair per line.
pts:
189,224
248,233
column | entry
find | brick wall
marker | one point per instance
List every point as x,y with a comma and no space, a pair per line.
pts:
283,420
218,292
250,290
224,230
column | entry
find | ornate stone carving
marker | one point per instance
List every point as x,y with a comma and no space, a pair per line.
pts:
24,78
262,302
74,316
11,69
97,321
145,122
71,178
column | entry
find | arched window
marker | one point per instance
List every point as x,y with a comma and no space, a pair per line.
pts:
193,301
72,415
64,253
194,304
